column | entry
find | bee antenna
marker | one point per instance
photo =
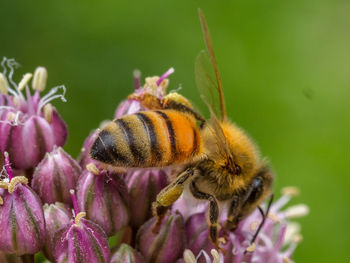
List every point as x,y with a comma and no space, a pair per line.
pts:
264,215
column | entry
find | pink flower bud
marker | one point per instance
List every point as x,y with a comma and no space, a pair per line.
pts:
22,224
56,215
81,240
146,183
103,196
165,246
125,253
55,175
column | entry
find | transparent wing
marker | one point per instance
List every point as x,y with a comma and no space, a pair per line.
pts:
207,84
207,75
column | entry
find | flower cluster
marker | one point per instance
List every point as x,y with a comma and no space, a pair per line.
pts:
79,211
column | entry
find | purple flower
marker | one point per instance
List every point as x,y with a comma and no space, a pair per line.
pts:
103,196
56,215
22,224
125,253
81,240
29,125
145,183
55,175
165,246
276,241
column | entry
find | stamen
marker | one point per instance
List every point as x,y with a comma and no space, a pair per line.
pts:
297,238
75,203
1,201
251,248
51,96
16,180
39,79
4,86
215,255
78,217
290,191
24,81
137,79
189,256
8,166
4,185
296,211
254,225
48,112
286,260
274,217
165,75
91,167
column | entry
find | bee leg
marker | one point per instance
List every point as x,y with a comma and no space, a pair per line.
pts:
233,214
213,213
168,196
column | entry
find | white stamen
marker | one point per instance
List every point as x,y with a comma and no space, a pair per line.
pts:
290,191
274,217
24,81
39,79
254,225
51,96
91,167
48,112
189,256
293,229
251,248
215,255
296,211
297,238
4,86
286,260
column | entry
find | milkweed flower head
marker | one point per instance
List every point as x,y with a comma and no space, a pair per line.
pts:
29,125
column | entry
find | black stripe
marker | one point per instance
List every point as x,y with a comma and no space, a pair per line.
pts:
105,149
195,144
148,125
129,137
171,132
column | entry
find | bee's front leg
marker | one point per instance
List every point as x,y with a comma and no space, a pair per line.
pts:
213,213
168,196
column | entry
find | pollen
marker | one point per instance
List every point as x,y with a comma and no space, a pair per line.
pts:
39,79
4,185
290,191
16,180
254,225
189,256
92,169
297,211
48,112
23,83
78,217
3,84
215,255
251,248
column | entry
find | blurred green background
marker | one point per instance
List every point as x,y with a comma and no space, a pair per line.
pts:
285,68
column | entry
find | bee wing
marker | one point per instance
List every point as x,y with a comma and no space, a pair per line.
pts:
207,75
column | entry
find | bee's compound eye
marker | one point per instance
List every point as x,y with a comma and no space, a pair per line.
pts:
238,169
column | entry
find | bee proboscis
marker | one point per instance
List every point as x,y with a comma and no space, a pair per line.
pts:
220,163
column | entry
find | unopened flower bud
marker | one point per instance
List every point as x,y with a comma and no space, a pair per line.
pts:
56,215
103,196
81,240
13,258
197,234
22,224
165,246
125,253
39,79
55,175
146,183
84,157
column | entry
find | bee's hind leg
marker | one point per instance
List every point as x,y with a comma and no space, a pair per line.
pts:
213,213
168,196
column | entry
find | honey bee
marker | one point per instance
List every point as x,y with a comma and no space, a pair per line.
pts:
219,162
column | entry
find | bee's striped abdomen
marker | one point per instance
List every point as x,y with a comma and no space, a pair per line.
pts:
148,139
